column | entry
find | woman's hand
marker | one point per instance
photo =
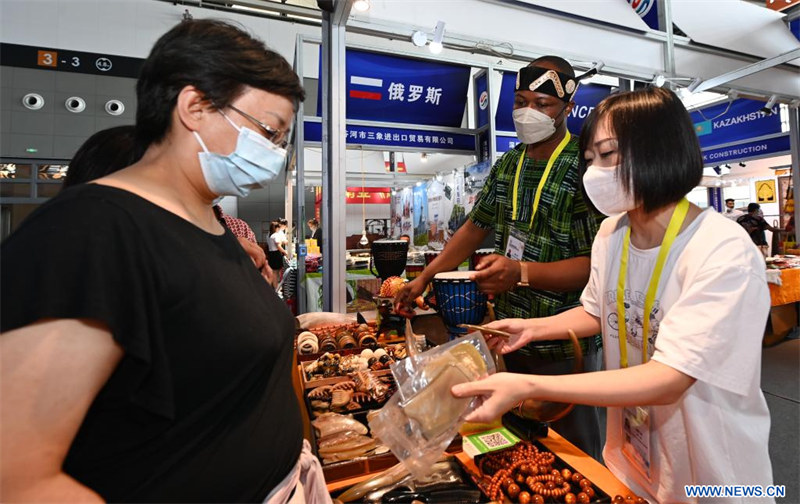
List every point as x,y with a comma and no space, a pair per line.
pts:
523,331
498,393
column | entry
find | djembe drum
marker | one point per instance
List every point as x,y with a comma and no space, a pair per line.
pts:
478,255
458,300
413,270
389,258
430,255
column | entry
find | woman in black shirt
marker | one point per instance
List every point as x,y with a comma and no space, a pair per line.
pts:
144,358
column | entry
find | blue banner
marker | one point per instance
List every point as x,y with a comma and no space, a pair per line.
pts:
586,99
502,116
429,141
482,97
504,143
742,121
747,150
387,88
648,11
794,27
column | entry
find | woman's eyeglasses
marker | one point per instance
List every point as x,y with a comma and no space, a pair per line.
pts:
273,135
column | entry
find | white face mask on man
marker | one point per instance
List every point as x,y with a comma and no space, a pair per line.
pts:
532,126
606,191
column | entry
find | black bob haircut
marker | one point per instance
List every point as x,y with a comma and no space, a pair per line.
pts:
658,149
217,58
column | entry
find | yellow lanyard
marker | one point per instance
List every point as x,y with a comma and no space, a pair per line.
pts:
546,173
675,223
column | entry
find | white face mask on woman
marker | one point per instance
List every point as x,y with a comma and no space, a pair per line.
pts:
532,126
253,164
606,191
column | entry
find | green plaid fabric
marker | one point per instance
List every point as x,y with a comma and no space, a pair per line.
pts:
563,228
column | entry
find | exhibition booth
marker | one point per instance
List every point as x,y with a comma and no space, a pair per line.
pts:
408,107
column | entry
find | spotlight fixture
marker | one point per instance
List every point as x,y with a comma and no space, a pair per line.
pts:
423,157
718,170
726,165
742,164
420,38
361,5
770,103
660,80
696,82
438,36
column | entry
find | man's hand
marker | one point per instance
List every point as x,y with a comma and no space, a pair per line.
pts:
496,274
404,301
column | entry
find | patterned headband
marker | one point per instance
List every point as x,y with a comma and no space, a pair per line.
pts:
550,82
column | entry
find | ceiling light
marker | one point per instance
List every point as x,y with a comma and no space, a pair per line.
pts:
361,5
696,82
742,164
419,38
423,157
660,80
770,103
438,36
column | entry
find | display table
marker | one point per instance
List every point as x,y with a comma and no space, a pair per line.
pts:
783,300
789,290
569,453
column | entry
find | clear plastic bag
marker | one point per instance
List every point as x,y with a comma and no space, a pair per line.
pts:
422,417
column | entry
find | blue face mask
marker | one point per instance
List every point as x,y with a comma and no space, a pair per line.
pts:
253,164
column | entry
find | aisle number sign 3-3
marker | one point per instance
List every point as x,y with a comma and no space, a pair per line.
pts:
50,59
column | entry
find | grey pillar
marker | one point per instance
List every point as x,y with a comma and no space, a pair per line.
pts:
794,139
334,159
299,188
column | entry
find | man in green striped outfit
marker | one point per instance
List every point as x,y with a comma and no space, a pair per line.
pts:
534,202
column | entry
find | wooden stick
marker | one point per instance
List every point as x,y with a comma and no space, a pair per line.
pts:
493,332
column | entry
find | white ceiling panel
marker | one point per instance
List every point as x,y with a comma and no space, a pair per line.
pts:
734,25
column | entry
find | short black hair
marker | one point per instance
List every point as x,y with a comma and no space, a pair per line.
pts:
658,149
560,63
729,199
217,58
752,207
104,152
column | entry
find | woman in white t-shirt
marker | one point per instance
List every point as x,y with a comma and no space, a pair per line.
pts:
690,412
276,250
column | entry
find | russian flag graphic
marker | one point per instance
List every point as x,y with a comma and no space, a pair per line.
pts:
373,91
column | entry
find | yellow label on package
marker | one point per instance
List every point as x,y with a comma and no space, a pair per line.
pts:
485,442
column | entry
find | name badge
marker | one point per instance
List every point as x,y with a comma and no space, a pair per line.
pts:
636,438
515,246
